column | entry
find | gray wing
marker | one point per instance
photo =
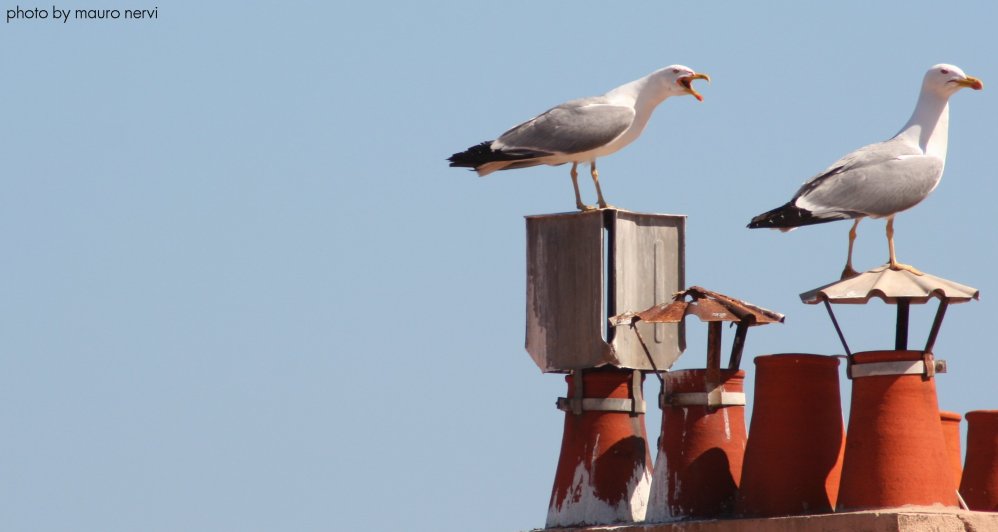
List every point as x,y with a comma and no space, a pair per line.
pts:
572,127
876,180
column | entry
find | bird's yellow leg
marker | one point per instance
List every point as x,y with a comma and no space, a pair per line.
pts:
599,193
848,271
894,264
578,197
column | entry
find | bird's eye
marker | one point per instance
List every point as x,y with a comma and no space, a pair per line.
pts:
675,71
944,71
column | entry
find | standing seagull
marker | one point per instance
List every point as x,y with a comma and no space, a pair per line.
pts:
581,130
883,179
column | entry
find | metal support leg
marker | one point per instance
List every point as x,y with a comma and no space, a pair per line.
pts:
936,324
838,329
901,334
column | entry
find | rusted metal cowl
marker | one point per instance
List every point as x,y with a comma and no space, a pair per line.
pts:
710,307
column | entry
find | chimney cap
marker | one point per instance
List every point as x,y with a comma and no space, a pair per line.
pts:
705,304
891,286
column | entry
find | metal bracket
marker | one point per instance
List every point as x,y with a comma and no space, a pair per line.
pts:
930,365
577,404
628,406
927,368
713,400
637,395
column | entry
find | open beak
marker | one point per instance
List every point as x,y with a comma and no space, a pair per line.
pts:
970,81
687,83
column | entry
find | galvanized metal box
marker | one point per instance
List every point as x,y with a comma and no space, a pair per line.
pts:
583,267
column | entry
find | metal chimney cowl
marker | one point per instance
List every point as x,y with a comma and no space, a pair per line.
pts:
583,267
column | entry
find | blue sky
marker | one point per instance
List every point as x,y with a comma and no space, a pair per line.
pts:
241,289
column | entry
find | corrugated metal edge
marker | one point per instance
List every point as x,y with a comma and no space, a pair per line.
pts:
742,309
889,286
704,304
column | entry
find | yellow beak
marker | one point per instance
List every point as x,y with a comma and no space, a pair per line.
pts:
970,81
687,83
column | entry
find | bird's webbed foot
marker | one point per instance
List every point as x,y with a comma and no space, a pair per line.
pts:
897,266
848,273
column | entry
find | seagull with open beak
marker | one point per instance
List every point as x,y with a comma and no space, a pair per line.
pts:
580,131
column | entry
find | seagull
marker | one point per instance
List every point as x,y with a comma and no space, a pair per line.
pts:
882,179
580,131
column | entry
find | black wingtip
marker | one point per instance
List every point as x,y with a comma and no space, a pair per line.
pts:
785,216
474,156
482,153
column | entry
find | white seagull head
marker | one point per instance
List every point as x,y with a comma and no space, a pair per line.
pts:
944,80
678,80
